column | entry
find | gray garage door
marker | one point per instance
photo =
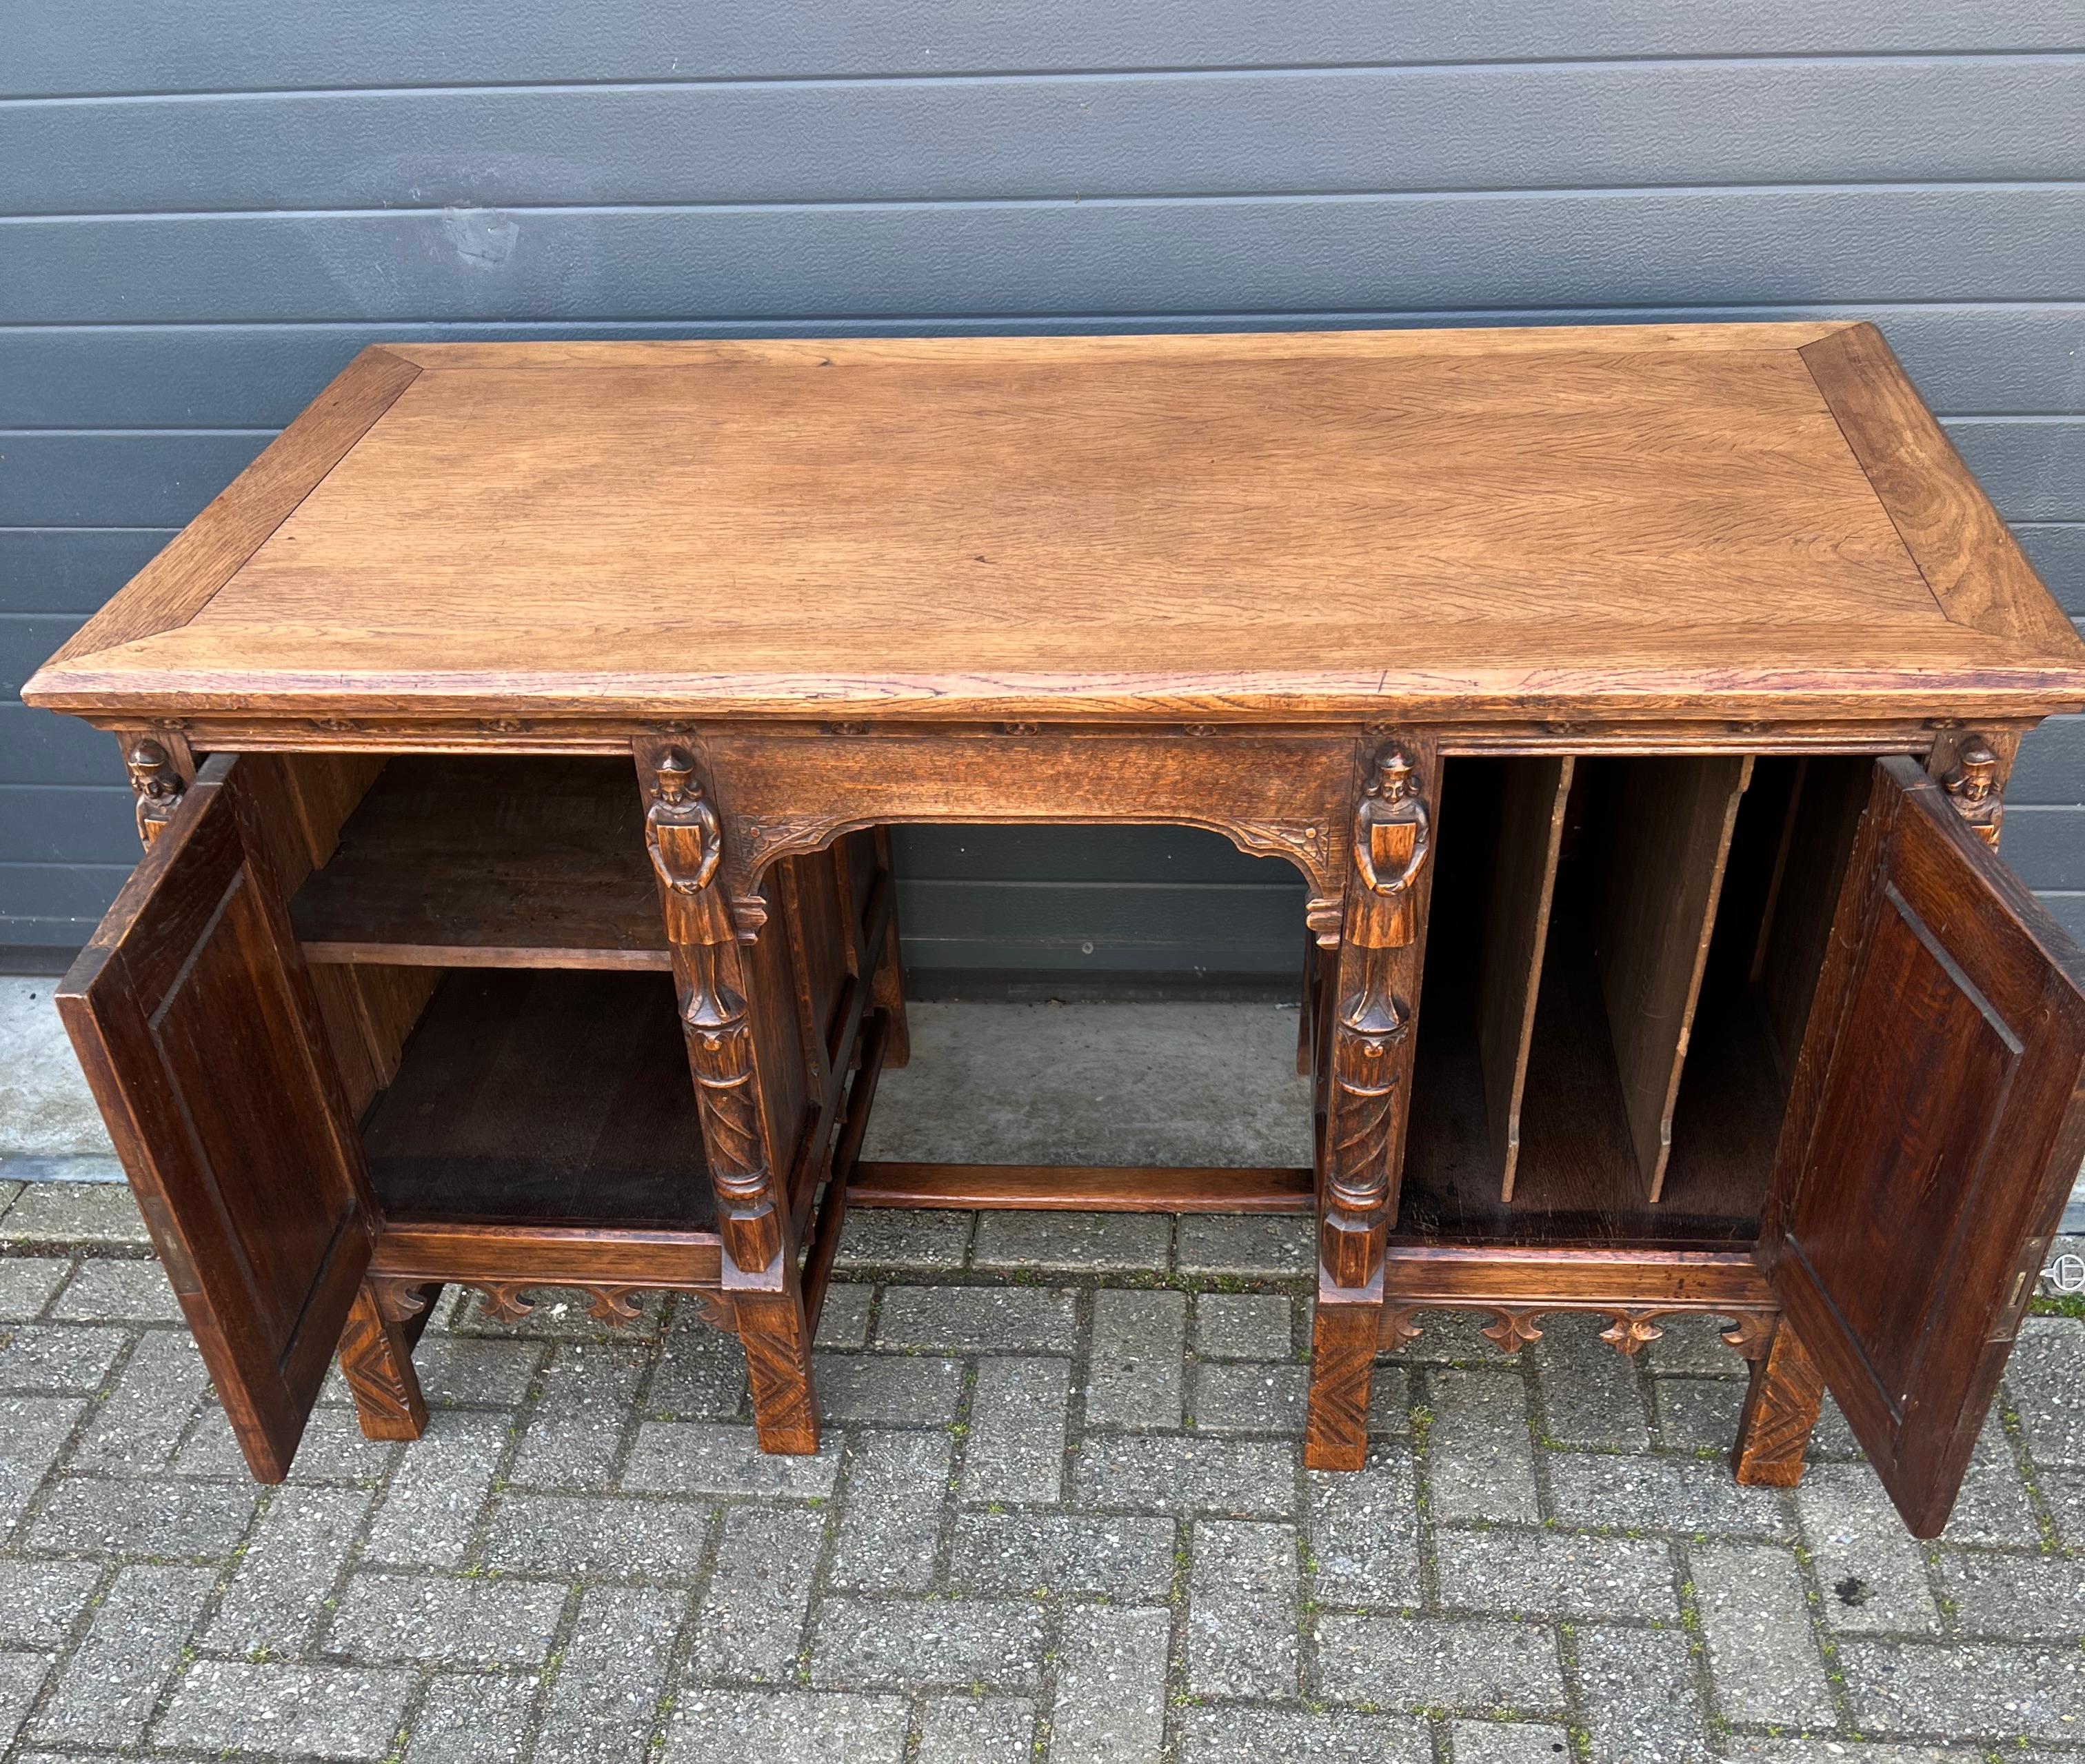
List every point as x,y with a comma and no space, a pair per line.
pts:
210,207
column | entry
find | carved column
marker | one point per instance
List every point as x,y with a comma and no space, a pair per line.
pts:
1377,991
681,832
1367,1090
760,1277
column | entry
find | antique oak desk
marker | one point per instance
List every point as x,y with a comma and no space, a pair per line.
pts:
518,737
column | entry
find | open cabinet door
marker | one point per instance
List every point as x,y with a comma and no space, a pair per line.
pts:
194,1019
1934,1129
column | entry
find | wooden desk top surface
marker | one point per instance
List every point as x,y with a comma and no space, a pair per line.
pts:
1614,523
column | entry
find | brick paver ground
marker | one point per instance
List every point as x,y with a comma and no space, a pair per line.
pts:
1060,1513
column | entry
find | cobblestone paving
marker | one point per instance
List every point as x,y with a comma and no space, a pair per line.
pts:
1060,1513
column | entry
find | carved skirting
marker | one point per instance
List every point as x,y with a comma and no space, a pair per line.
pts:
1630,1328
404,1296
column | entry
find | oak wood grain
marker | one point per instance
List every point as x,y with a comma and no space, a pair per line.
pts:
1934,1124
518,862
201,1040
1634,522
1970,560
1094,1188
177,583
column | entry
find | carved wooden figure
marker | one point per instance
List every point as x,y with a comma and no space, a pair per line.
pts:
1972,786
681,830
157,784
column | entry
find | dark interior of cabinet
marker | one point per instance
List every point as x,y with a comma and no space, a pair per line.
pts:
1757,867
486,949
451,859
548,1096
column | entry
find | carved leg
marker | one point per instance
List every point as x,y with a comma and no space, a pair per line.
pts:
1376,990
376,1360
721,990
1780,1408
776,1335
1343,1344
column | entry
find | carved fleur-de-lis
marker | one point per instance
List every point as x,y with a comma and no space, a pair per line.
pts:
1514,1331
1749,1332
612,1305
1628,1333
1398,1330
504,1302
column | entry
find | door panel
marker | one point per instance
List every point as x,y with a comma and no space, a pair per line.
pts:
1934,1129
194,1020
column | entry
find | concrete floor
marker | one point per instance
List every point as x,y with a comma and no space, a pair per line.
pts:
48,1125
1086,1083
1097,1083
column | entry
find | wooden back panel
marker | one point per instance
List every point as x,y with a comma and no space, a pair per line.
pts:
195,1020
1935,1125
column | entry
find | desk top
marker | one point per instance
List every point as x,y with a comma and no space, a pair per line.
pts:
1612,523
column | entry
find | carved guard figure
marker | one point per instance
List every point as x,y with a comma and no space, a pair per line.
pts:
686,845
1393,837
1972,786
157,783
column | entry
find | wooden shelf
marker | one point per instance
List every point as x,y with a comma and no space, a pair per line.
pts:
508,862
540,1098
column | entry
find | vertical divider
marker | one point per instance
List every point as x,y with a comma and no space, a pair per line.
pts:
1523,884
1667,834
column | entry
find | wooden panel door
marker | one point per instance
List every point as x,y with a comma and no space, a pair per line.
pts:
194,1019
1934,1129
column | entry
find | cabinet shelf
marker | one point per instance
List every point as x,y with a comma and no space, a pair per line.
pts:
452,862
557,1097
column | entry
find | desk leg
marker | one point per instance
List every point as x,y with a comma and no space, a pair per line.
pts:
768,1308
1780,1408
1367,1095
715,977
376,1360
1343,1339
